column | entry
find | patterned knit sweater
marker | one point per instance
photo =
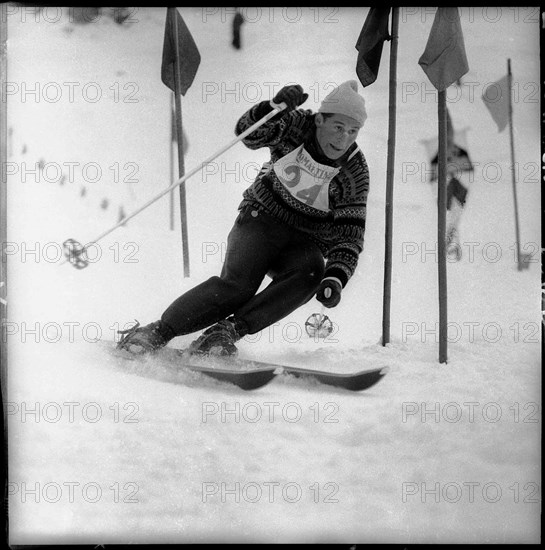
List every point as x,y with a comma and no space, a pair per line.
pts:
339,231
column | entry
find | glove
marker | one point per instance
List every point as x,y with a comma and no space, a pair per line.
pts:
292,95
329,292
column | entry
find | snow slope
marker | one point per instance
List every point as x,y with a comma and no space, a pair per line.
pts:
135,452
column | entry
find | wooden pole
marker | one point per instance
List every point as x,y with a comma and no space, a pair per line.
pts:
171,163
388,234
513,172
441,224
181,169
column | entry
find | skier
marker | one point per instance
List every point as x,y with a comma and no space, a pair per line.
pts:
301,222
458,161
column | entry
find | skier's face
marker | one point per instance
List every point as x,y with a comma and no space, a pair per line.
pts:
336,133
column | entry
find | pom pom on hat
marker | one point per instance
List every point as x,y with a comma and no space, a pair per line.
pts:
345,100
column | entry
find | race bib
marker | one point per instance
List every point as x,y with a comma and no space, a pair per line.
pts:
306,180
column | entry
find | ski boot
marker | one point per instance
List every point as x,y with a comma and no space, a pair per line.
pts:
141,340
219,339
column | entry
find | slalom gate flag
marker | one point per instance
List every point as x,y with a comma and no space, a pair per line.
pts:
188,53
444,60
496,99
370,43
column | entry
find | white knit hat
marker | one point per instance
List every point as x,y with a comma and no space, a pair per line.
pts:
345,100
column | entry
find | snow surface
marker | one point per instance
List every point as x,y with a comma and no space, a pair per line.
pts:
123,452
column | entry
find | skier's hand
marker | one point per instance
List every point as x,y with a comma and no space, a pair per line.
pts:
329,292
292,95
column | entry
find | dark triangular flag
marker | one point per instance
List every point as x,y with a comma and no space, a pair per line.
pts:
370,43
444,60
188,53
496,99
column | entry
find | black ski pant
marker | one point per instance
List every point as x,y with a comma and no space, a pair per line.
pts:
257,246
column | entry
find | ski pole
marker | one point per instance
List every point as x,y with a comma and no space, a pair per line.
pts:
74,250
322,315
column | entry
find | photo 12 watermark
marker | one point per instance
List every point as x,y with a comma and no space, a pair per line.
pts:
491,172
69,92
53,492
70,412
66,172
472,332
18,12
453,492
272,15
268,412
471,14
236,91
470,412
290,492
57,253
467,91
52,332
470,251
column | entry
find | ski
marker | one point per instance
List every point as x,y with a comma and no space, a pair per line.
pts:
244,379
248,374
353,381
248,379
